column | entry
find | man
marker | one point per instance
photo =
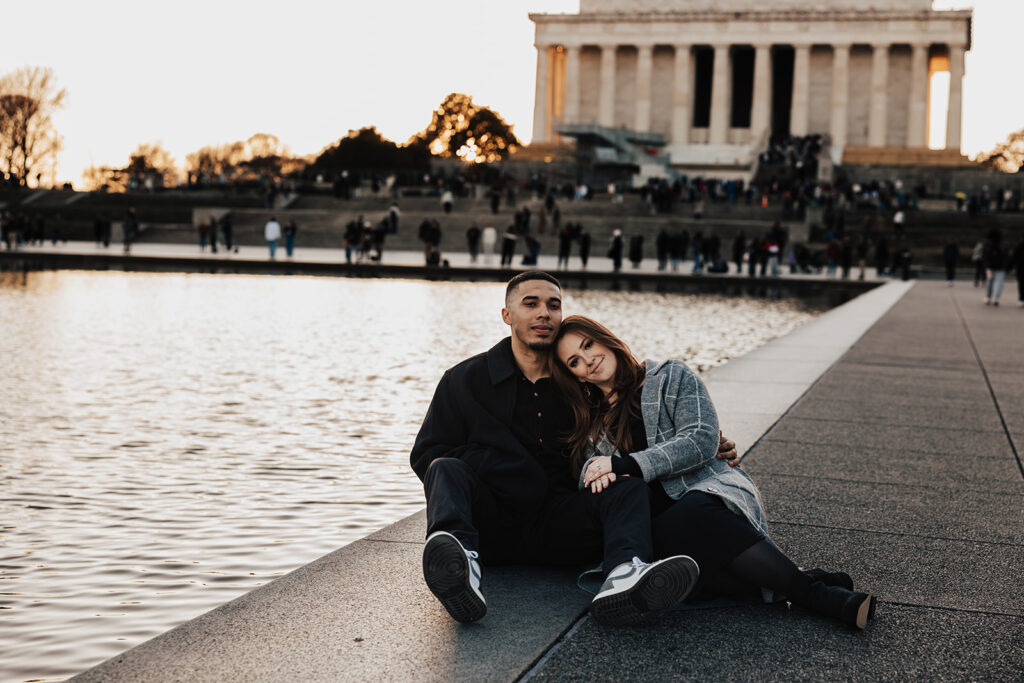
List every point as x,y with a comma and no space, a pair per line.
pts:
498,488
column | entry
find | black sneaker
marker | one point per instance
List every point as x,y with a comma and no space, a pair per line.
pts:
635,590
452,574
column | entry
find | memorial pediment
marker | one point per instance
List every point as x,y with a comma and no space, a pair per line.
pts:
669,6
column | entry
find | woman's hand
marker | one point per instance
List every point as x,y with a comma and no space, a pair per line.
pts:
598,467
727,451
602,482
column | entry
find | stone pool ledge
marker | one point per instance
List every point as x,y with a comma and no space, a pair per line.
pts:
364,613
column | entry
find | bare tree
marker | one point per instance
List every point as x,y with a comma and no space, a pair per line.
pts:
28,140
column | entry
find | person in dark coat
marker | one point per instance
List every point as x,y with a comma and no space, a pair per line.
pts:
1017,261
950,255
615,250
661,244
508,246
584,248
129,228
227,231
564,246
636,250
846,257
473,242
881,255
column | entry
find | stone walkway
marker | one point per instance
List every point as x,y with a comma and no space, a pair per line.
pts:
901,465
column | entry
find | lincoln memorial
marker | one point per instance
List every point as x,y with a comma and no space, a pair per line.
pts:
714,78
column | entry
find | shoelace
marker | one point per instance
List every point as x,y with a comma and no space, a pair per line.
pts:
472,554
638,563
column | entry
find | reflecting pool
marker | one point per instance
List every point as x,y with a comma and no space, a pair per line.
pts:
168,442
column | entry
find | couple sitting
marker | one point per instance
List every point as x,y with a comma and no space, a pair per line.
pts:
558,447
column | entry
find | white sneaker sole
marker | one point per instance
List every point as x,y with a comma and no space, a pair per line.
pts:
663,586
447,573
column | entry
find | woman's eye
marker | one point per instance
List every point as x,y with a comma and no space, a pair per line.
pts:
588,344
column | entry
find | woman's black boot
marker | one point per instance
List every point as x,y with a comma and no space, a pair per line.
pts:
850,607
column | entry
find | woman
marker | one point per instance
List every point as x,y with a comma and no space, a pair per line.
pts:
656,421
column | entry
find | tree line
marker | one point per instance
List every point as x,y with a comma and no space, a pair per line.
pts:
29,144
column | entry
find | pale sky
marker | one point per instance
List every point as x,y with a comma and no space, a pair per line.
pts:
191,73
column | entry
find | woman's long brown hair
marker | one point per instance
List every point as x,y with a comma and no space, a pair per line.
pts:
591,411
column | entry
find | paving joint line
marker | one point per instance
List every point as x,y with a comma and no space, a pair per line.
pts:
541,660
929,537
943,429
944,608
876,482
777,440
991,390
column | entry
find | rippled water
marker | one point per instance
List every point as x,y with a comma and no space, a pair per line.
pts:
168,442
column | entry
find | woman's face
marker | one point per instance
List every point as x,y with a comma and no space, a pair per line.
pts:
588,360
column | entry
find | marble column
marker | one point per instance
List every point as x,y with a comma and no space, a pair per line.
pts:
644,69
840,93
540,102
954,116
798,121
572,84
761,106
879,96
682,95
721,91
917,108
606,103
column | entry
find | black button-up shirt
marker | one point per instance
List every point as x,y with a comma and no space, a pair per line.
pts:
541,422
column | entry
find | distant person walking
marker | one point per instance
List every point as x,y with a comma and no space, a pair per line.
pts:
584,248
394,213
129,228
272,233
978,259
203,229
1017,260
950,255
290,230
995,258
447,201
564,247
473,242
615,250
213,235
636,250
508,246
227,229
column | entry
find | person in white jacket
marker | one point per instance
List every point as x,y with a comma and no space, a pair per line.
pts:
490,236
272,233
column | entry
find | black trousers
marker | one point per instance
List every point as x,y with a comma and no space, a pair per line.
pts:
569,528
701,526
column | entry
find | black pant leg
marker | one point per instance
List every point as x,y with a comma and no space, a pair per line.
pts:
451,487
701,526
581,526
459,502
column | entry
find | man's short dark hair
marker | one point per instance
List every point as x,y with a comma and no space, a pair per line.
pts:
526,277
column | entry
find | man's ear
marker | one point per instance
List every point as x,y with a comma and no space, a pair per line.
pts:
505,316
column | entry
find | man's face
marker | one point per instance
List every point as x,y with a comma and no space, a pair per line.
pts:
534,312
